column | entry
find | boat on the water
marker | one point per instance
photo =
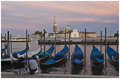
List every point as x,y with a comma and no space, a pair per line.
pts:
57,60
44,57
113,56
30,53
4,48
15,54
8,61
97,58
76,57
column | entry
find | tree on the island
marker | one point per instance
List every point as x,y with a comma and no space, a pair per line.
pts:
115,35
38,32
45,31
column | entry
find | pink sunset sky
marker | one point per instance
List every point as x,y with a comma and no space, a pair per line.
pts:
95,16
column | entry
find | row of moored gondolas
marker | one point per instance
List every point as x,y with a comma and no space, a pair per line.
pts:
46,60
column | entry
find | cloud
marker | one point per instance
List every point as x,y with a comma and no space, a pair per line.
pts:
5,7
79,19
20,15
36,21
93,8
84,20
17,26
101,8
109,21
6,19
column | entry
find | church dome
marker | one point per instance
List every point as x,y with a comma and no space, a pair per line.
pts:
75,30
68,28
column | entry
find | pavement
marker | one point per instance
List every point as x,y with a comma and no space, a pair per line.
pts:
40,75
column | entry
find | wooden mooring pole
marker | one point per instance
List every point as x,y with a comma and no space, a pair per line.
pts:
85,54
101,43
28,41
65,40
44,45
1,41
5,42
117,41
11,43
55,44
85,48
26,45
8,52
41,43
5,39
93,42
65,46
69,44
105,47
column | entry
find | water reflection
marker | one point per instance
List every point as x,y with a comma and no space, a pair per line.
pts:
48,70
6,68
97,71
61,68
116,66
76,70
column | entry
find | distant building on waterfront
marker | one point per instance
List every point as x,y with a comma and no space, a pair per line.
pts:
3,38
88,34
74,33
61,34
19,38
68,30
34,35
15,38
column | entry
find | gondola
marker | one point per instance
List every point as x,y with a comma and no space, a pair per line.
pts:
30,53
97,58
57,60
8,61
4,48
5,59
3,52
47,56
15,54
76,57
113,56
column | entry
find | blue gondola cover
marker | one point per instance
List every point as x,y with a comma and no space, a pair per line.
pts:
58,56
49,51
96,54
19,52
78,61
4,48
50,61
99,60
77,55
112,54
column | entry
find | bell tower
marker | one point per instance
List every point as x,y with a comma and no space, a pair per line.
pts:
54,25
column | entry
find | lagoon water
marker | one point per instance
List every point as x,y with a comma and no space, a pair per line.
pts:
108,70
